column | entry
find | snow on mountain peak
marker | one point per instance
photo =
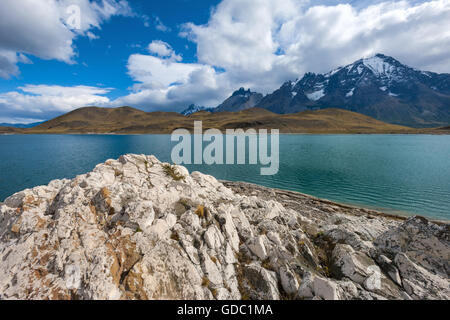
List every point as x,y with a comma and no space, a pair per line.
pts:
316,95
379,65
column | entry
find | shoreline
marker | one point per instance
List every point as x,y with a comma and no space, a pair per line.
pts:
301,197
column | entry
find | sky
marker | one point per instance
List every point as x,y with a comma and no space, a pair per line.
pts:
60,55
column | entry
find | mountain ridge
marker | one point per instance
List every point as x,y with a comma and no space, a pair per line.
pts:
240,100
380,87
194,109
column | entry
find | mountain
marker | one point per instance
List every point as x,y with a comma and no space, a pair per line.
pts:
21,125
380,87
194,109
126,120
108,120
240,100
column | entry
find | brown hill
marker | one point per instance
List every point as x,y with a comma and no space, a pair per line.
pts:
10,130
126,120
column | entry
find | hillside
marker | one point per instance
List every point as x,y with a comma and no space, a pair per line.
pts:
12,130
128,120
21,125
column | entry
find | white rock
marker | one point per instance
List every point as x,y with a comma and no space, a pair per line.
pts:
325,289
258,248
213,238
231,232
160,228
306,289
288,281
211,270
274,237
171,220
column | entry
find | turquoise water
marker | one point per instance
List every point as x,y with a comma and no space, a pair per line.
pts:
396,173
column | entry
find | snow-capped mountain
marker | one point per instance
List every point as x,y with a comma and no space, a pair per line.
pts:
21,125
194,109
240,100
379,86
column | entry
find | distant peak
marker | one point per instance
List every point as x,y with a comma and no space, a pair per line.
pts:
380,55
241,92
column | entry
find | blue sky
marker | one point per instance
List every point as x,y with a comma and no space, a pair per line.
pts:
103,60
165,55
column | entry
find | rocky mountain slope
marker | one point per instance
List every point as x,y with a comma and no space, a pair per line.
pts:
380,87
135,228
240,100
194,109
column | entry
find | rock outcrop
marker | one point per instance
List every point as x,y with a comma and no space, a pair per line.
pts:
136,228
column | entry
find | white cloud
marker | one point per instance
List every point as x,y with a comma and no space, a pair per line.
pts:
44,102
42,28
260,44
159,25
256,44
263,43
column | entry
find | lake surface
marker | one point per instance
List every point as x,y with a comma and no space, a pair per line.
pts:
408,174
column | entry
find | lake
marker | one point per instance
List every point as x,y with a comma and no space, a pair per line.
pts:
406,174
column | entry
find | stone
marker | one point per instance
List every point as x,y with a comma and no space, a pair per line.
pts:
265,281
211,271
160,228
171,220
258,248
289,281
325,289
420,283
388,266
213,238
274,237
306,289
353,265
425,243
231,232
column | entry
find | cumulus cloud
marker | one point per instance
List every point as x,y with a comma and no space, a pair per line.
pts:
260,44
42,102
47,29
163,82
326,36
